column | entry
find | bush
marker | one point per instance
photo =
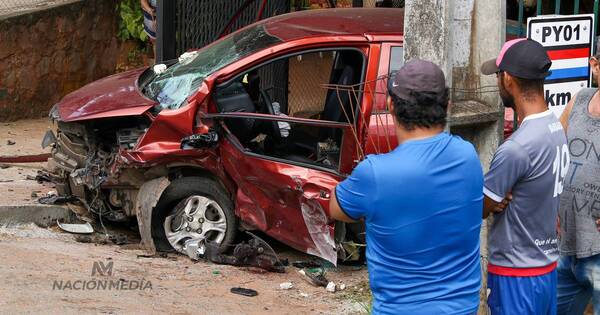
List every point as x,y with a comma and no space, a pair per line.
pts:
131,22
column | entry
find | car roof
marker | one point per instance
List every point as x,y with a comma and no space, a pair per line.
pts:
328,22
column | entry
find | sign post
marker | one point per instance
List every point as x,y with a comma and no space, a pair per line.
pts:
569,41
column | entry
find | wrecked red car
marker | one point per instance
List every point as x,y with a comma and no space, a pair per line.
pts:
249,133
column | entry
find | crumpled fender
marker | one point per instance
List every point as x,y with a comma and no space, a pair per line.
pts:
146,200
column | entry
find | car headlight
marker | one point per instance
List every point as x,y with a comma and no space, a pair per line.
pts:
53,114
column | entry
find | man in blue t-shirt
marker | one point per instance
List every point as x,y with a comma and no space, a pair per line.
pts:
421,204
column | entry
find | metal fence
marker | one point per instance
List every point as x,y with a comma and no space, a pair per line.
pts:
16,6
517,26
200,22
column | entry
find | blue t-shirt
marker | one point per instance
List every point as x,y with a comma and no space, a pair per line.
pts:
422,206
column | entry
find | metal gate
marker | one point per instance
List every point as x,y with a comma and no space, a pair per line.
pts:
518,28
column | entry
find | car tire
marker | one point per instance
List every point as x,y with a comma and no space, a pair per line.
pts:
179,191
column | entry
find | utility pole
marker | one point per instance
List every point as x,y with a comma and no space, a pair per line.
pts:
458,35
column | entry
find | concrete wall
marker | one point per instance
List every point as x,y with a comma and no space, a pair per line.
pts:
48,53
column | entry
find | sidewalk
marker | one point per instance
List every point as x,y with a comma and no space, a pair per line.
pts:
18,191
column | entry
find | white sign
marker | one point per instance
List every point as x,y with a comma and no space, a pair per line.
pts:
569,43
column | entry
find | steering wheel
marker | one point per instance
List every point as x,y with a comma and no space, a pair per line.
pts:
276,133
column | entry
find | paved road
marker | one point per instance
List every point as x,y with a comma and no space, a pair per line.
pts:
13,6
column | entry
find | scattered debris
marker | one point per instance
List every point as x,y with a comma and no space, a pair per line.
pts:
34,194
302,294
10,142
306,264
155,255
6,180
286,285
216,272
314,276
4,166
330,287
342,287
118,239
253,253
36,158
81,228
244,291
52,199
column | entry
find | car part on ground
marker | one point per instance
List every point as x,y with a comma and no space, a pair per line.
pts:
253,253
81,228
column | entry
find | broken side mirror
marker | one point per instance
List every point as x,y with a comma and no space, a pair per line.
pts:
200,140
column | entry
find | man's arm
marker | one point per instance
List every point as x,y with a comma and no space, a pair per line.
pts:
564,118
352,199
336,211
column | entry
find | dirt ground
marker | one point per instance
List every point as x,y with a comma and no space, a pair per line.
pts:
37,263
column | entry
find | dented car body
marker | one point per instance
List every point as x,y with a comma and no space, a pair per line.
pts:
214,143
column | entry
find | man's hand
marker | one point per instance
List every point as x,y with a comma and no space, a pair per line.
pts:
501,206
491,206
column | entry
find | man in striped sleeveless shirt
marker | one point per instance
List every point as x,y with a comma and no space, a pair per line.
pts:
579,265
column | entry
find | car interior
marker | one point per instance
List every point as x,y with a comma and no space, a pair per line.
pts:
294,87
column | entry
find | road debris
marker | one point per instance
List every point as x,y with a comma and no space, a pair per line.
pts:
330,287
306,264
35,158
314,276
10,142
342,287
252,253
244,291
52,199
304,295
81,228
286,285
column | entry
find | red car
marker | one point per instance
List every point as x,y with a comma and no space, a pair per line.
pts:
249,133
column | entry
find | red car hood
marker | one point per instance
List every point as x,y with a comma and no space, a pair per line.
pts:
116,95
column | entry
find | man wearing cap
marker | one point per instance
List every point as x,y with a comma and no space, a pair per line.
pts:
421,204
531,165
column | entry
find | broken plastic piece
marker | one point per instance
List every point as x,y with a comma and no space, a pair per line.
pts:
244,292
82,228
53,199
286,285
49,139
330,287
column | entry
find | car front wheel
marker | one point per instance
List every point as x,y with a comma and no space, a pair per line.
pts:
193,209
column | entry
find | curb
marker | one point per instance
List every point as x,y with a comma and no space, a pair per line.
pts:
41,215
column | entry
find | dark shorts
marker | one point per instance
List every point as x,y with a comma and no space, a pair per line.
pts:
535,295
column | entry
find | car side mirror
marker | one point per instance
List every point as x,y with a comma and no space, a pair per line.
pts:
200,140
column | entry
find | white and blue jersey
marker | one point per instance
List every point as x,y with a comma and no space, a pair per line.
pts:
422,206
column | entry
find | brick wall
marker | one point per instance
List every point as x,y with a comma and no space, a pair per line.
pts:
48,53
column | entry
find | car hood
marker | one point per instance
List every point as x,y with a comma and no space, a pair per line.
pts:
116,95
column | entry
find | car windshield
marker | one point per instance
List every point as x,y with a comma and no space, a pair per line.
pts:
172,87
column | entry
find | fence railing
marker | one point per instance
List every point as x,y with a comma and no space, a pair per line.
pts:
520,28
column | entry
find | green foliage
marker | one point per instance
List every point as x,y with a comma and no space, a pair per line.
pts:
131,22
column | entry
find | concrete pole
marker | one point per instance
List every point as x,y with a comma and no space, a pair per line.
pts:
458,35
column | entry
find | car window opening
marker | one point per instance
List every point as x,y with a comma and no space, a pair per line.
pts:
294,87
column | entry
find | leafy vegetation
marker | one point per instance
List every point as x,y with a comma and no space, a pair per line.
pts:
131,20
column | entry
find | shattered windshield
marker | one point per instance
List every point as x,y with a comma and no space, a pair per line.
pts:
172,87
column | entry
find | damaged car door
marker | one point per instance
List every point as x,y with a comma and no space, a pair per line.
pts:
285,193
